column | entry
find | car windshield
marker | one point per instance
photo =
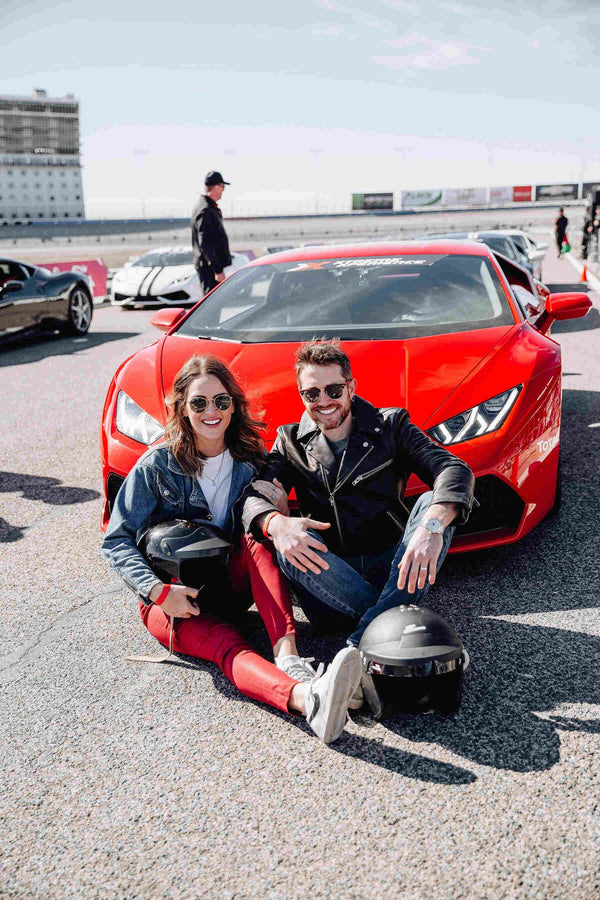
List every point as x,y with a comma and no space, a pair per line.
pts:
501,244
520,241
385,297
165,258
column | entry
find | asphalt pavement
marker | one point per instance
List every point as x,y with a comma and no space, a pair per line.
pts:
122,780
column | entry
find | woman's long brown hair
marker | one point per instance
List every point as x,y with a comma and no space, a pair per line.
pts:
242,438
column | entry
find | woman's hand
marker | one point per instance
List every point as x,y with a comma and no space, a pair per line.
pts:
178,601
275,493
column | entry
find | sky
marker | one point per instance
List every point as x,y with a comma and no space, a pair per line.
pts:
300,104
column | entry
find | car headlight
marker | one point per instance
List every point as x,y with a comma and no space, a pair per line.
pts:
183,280
135,423
481,419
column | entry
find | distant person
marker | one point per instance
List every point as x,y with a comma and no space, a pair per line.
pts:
560,229
209,239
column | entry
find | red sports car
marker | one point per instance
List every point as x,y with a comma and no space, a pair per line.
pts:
442,328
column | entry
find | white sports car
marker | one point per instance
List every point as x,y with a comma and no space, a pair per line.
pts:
163,277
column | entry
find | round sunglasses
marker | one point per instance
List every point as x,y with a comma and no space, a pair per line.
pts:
334,391
220,402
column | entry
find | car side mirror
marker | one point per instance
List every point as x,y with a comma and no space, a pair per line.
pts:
164,319
571,305
11,286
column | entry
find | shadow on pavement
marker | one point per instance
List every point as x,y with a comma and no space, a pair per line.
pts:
588,323
35,347
373,751
35,487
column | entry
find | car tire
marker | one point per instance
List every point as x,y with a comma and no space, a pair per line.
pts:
79,314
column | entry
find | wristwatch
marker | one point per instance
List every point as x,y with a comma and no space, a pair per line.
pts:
433,526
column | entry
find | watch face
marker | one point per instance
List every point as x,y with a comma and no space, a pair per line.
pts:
434,526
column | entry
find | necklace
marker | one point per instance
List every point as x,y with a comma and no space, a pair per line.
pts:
214,480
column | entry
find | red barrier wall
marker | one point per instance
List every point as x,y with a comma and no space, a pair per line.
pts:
95,268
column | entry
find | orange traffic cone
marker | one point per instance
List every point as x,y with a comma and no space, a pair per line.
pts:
584,274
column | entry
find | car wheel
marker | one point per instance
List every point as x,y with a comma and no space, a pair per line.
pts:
79,315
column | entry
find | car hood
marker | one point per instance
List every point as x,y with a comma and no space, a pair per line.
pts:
160,276
421,374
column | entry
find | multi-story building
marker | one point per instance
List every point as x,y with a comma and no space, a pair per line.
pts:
40,167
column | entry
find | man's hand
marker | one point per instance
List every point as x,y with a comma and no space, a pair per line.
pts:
220,277
420,560
178,600
291,539
275,492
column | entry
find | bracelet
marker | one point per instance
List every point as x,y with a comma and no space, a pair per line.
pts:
265,525
163,595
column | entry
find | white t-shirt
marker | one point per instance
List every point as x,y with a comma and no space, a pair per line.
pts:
215,482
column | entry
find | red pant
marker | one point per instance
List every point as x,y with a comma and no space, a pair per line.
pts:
257,564
208,637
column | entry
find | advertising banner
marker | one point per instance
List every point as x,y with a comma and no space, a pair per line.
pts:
556,191
95,268
501,195
588,188
522,193
422,198
465,196
372,201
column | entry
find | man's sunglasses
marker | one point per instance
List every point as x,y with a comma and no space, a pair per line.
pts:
335,391
220,402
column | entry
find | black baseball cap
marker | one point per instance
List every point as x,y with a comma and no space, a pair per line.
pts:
213,178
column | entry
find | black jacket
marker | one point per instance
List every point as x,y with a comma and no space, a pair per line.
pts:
362,501
209,240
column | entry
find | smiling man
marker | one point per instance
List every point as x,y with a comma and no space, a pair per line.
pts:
349,555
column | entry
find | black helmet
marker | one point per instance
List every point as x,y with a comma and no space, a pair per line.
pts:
416,659
193,553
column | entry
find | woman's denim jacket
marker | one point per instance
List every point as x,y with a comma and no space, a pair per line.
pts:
156,490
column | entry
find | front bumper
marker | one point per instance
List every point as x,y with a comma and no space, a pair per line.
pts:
170,298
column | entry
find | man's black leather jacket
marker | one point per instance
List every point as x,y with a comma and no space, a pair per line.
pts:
362,500
209,239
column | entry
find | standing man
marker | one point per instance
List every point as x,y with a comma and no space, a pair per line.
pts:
560,229
209,240
348,461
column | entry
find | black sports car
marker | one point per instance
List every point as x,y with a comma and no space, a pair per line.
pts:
32,297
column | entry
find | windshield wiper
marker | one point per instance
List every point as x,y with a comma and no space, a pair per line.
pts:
212,337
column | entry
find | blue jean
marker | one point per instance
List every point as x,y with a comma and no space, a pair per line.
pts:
361,587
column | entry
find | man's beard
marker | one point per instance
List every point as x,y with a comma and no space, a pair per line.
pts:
330,423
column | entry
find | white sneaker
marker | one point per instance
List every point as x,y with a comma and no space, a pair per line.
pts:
327,695
299,667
